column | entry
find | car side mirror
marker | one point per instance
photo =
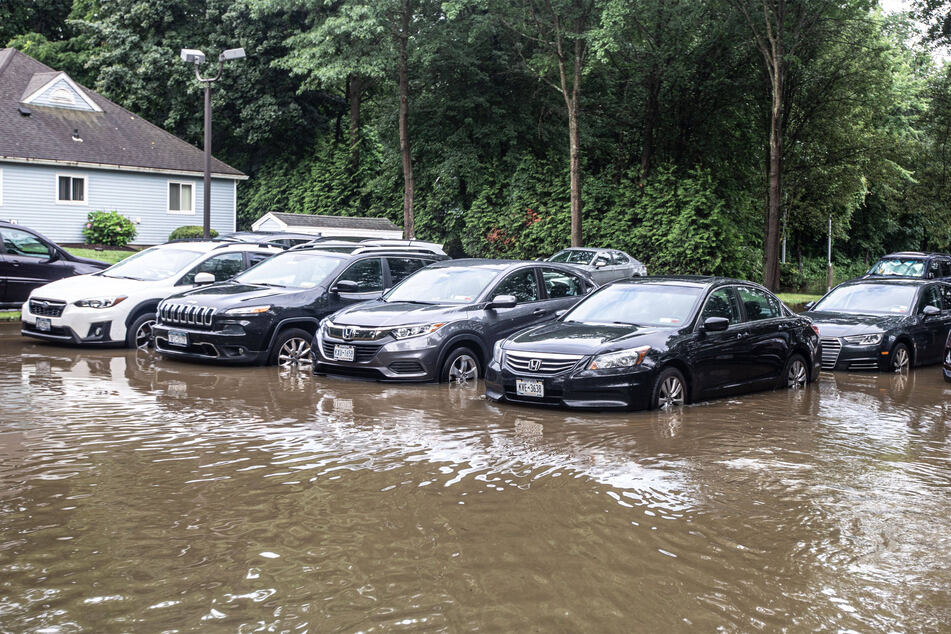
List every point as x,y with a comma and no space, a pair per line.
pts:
202,279
345,286
503,301
54,255
561,313
809,305
715,324
600,262
931,311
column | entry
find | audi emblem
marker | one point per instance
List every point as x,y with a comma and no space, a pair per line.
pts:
535,365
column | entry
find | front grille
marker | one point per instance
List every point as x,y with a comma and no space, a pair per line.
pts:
361,354
407,367
47,307
863,365
186,315
831,347
355,333
540,363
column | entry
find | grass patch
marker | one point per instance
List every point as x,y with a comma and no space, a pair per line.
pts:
9,315
792,299
108,255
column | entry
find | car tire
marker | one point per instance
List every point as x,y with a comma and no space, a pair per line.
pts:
292,348
139,333
670,390
795,375
460,366
900,358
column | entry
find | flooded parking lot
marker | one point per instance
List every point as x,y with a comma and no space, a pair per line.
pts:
143,494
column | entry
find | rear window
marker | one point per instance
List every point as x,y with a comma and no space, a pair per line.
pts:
906,267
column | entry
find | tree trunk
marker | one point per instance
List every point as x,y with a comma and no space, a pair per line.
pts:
650,122
774,200
408,229
355,95
575,171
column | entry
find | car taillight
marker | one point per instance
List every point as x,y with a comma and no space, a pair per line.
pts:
815,329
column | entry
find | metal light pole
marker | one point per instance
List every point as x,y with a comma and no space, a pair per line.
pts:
197,57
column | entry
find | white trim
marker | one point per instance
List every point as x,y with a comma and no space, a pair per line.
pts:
268,216
234,211
168,198
118,168
84,202
63,76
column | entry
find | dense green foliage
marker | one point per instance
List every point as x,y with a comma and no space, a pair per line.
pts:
673,117
108,228
190,232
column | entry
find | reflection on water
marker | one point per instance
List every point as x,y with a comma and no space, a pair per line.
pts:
143,494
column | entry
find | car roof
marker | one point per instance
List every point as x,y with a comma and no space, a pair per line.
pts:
498,265
913,254
689,280
203,246
894,280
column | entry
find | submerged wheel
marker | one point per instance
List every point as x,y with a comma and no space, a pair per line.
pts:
670,390
901,358
797,374
461,366
139,334
293,349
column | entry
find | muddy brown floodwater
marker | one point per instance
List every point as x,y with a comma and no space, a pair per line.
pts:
138,494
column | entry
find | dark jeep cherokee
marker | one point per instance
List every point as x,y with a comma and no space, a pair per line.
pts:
270,313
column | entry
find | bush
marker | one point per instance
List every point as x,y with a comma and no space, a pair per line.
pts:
189,232
108,228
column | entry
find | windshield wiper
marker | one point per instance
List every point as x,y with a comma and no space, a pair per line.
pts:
123,277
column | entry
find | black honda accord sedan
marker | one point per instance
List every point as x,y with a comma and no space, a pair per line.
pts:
882,324
655,343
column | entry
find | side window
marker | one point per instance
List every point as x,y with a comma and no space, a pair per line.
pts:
561,284
223,267
521,284
25,244
401,268
620,258
254,258
946,296
758,304
721,303
946,269
930,296
934,270
368,274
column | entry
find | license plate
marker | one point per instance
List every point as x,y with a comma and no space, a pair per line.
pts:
343,353
177,338
42,323
528,387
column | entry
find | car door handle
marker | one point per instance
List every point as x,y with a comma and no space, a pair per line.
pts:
742,335
539,311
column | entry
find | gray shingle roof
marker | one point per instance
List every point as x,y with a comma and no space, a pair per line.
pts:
111,138
336,222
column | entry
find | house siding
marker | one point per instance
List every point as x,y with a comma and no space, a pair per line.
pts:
30,192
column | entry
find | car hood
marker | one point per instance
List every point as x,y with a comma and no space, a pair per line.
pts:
97,265
70,289
843,324
379,313
231,294
582,338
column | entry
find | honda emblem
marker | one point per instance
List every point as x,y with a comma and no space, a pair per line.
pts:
535,365
348,333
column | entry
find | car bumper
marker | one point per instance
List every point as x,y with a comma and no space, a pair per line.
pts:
412,359
216,346
852,357
631,390
81,326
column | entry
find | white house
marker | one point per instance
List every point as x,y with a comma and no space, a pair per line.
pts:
66,151
380,228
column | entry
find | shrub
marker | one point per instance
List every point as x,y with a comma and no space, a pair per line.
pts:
190,231
108,228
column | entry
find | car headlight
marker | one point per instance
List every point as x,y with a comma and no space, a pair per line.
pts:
248,310
100,302
622,359
405,332
865,340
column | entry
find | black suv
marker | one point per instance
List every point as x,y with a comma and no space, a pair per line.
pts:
926,266
29,260
269,314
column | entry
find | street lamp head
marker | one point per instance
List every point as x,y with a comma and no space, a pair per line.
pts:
231,53
192,55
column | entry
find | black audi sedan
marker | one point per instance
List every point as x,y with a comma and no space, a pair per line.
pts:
883,324
656,343
440,324
29,260
269,313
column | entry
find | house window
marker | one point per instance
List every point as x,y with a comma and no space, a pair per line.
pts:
71,189
181,198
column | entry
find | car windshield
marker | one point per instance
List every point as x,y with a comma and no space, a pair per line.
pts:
447,285
291,269
157,263
906,267
572,256
869,299
637,304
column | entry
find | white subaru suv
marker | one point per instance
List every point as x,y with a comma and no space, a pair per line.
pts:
117,306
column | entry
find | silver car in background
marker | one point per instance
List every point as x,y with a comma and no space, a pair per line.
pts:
603,265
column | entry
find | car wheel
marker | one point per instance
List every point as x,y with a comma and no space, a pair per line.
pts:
461,366
796,374
901,358
670,390
292,349
139,334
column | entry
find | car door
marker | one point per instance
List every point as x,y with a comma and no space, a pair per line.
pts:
603,268
624,268
28,263
929,332
714,357
367,274
530,309
769,343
